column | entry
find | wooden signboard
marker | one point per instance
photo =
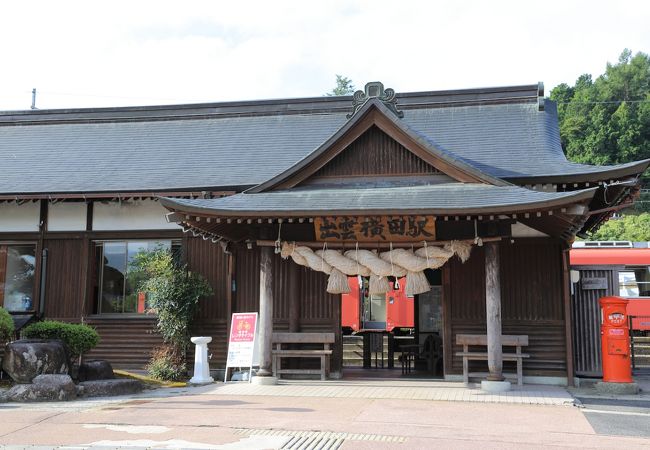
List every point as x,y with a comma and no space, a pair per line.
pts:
375,229
594,283
241,343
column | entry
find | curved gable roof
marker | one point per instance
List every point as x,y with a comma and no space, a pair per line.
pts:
373,112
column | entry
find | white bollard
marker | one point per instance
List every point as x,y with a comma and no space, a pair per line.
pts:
201,364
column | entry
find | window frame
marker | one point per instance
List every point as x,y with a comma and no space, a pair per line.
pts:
98,272
632,269
3,273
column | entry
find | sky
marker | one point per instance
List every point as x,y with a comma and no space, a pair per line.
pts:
93,53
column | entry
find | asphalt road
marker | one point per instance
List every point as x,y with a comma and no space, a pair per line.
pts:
618,417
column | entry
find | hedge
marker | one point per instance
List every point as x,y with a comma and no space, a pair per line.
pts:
6,325
78,338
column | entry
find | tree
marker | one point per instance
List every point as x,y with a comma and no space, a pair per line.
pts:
344,86
607,121
635,228
173,293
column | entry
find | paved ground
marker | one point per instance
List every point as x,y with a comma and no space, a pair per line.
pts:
627,415
403,389
372,414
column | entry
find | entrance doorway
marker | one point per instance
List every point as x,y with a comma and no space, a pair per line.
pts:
392,330
373,311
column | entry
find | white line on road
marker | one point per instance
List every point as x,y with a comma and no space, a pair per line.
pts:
620,413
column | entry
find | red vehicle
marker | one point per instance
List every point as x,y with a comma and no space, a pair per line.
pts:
633,266
378,312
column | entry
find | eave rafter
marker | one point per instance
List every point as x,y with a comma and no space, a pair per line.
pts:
560,222
113,196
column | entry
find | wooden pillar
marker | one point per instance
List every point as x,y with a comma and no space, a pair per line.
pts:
39,273
294,297
568,322
230,261
493,311
266,311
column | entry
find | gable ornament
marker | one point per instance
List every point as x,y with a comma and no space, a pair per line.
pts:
375,89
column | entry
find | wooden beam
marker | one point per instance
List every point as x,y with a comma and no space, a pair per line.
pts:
229,297
568,336
294,298
373,245
38,269
611,208
493,312
3,271
447,342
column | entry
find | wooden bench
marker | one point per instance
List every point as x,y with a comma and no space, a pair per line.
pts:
467,340
282,340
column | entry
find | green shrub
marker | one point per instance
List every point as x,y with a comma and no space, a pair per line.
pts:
78,338
6,325
166,365
173,292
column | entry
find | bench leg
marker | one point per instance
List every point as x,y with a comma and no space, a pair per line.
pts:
520,372
322,367
465,371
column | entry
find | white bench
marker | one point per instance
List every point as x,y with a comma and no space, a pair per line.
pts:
281,340
475,340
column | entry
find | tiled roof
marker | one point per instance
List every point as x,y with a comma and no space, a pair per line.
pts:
449,198
230,146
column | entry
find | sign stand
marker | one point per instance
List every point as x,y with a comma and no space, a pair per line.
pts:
241,343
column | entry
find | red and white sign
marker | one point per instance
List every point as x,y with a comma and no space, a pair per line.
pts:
241,343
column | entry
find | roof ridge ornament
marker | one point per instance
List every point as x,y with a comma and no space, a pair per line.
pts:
375,89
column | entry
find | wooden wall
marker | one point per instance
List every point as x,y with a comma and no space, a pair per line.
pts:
531,279
65,279
209,260
318,310
587,320
532,303
126,342
375,153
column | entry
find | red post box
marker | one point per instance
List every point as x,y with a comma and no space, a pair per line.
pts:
614,333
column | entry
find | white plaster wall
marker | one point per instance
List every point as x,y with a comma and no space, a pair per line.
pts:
130,215
519,230
66,216
15,217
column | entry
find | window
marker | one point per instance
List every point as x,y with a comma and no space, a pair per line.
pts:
117,283
634,282
17,267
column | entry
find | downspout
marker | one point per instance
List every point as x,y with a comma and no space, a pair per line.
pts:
41,302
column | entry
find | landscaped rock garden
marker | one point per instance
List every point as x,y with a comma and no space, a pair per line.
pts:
41,369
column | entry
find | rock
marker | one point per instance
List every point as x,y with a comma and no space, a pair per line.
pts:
95,370
44,388
25,359
108,388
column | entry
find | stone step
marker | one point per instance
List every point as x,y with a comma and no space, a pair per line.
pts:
353,362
